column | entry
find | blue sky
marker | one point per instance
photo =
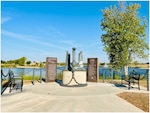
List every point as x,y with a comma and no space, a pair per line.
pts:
38,30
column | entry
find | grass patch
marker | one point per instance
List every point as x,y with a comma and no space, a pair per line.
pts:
30,77
143,83
59,76
115,77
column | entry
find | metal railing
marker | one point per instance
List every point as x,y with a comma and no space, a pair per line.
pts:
105,74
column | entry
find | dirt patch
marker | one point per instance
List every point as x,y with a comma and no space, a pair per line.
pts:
140,100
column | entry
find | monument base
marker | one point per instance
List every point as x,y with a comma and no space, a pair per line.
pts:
79,79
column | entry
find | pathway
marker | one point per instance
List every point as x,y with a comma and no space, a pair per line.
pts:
50,97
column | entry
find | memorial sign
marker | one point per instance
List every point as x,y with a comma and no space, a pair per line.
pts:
51,69
92,70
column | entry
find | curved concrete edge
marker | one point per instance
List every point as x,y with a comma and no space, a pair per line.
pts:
78,78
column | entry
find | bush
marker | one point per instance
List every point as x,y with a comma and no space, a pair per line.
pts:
30,77
8,65
115,77
59,76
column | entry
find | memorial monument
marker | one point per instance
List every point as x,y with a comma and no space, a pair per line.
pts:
92,70
51,69
74,73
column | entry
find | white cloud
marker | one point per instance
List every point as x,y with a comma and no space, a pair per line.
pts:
49,31
30,38
60,33
5,19
71,43
95,44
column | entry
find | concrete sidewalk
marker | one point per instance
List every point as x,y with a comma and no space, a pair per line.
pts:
50,97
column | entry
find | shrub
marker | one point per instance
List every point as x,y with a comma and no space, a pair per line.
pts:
30,77
59,76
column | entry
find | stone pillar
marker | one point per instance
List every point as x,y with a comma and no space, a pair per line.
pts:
80,59
51,69
66,66
73,58
73,54
92,71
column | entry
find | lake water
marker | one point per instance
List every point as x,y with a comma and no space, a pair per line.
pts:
102,70
29,71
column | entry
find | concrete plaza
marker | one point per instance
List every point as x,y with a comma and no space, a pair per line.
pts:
51,97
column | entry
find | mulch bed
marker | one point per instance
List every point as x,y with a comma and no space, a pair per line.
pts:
140,100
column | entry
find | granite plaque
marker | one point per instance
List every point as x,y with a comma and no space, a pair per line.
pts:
92,70
51,69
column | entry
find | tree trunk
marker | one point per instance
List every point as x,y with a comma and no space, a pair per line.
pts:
126,70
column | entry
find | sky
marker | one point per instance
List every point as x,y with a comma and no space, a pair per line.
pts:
37,29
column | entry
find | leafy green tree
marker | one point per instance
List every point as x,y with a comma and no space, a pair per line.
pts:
3,62
124,36
102,64
28,62
61,63
135,63
10,62
41,64
15,61
22,61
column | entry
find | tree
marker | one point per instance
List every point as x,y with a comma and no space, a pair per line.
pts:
22,61
124,36
10,61
3,62
135,63
41,64
28,62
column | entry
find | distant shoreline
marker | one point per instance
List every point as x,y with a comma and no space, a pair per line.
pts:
145,66
27,67
132,66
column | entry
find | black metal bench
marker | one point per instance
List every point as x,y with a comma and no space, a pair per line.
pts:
133,78
14,82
